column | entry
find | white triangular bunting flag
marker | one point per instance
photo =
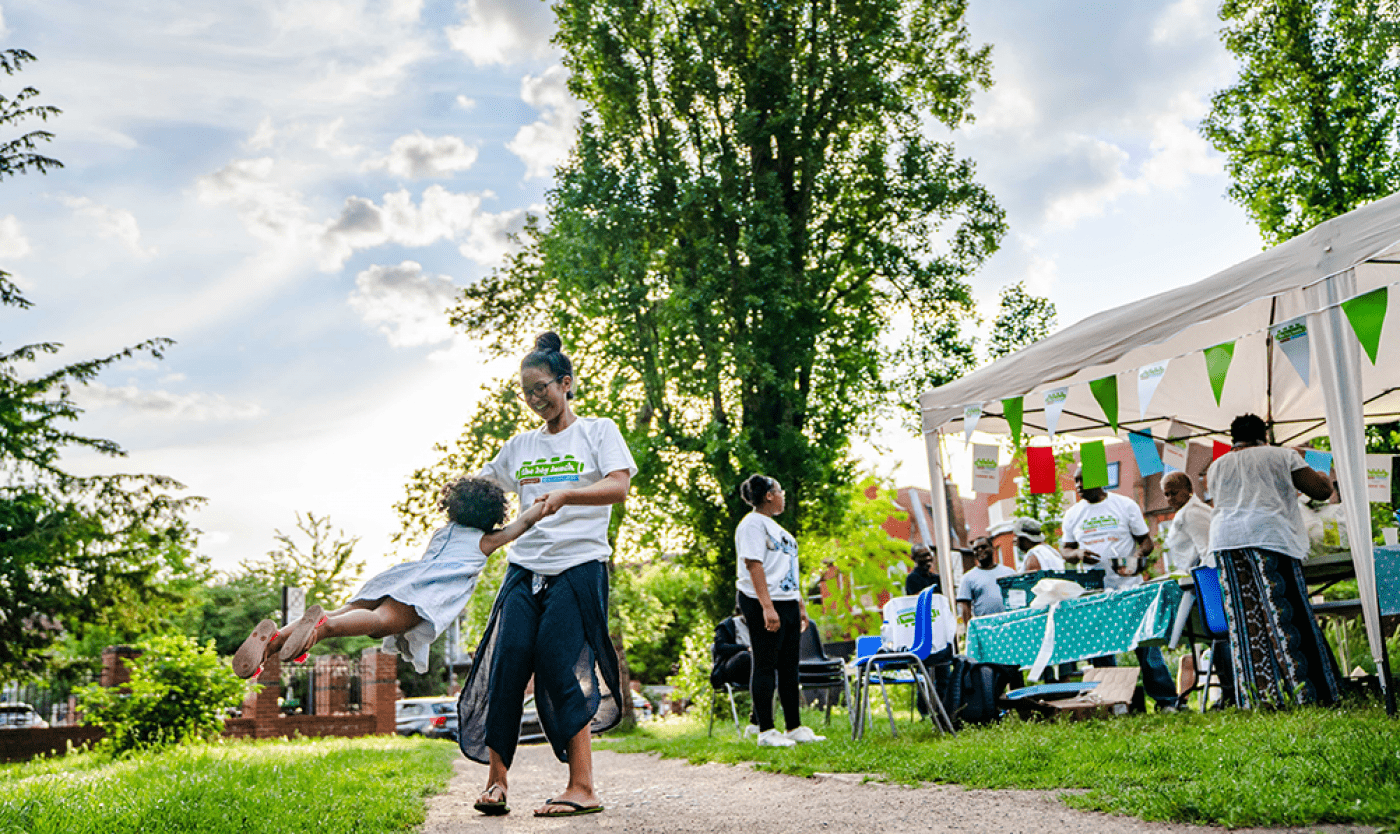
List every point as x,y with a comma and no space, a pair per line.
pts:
1054,404
971,414
1292,338
1149,377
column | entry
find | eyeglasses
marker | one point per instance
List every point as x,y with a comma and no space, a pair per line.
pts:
537,390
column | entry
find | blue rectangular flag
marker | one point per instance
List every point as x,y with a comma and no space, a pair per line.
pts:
1321,461
1145,450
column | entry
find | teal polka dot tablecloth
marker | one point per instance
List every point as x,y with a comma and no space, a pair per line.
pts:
1090,626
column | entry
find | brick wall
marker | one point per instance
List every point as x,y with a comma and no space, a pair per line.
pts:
22,744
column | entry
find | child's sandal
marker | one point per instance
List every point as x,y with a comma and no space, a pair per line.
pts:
247,661
302,635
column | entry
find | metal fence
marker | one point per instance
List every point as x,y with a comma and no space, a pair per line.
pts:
54,698
324,685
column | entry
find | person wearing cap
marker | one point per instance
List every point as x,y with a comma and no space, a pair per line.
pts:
922,576
1107,532
1030,541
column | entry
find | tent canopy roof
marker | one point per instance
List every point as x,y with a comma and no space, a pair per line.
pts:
1241,304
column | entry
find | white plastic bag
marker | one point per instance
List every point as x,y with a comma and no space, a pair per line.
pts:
1050,591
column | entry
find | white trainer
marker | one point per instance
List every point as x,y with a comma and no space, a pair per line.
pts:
751,730
803,735
773,738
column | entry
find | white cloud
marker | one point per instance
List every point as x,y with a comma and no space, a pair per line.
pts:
13,243
194,407
4,31
546,143
439,215
269,210
466,103
263,136
503,31
113,223
404,303
416,156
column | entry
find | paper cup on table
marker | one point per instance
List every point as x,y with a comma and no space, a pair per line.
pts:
1391,536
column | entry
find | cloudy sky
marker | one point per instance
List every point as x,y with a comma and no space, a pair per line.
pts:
293,191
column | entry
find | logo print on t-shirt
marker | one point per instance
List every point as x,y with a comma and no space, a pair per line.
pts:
549,470
788,547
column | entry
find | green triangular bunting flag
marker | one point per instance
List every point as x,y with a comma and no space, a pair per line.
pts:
1012,408
1366,314
1217,364
1094,464
1106,392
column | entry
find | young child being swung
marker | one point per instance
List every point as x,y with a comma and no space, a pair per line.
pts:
412,603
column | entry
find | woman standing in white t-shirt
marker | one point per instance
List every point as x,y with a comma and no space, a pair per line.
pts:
771,599
1278,653
550,618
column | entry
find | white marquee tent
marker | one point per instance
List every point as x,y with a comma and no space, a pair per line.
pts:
1310,276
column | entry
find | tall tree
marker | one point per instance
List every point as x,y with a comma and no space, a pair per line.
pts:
110,553
1022,318
753,209
1309,131
319,561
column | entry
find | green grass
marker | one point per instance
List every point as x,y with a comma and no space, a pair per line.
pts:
375,784
1297,768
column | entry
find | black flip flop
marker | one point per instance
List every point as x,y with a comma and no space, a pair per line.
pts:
493,809
578,810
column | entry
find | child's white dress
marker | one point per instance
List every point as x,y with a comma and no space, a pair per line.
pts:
436,586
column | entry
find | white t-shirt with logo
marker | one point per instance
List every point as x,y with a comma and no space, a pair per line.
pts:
535,462
759,538
1107,528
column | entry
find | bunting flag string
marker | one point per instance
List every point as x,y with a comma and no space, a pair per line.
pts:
1040,469
1106,392
1093,463
1365,313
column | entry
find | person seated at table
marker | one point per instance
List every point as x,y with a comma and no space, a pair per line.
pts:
922,576
1278,652
1030,541
1107,532
979,594
1188,545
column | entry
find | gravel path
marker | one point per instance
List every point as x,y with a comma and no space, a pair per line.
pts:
644,793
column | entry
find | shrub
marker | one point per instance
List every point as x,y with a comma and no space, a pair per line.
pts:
692,679
179,692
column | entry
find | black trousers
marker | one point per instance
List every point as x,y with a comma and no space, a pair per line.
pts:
775,661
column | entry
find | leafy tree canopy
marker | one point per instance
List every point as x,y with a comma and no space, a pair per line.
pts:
319,561
755,250
1309,129
111,555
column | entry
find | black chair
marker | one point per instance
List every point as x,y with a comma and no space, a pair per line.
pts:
818,672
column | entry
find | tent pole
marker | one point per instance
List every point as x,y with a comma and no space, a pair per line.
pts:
942,539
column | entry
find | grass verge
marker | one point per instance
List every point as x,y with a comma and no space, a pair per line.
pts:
322,785
1231,768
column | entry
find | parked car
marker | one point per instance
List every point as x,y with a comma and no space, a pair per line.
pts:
416,716
17,715
641,707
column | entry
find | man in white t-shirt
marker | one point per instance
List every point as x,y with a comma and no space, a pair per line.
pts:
1107,532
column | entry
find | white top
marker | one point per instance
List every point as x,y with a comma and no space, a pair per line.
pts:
1046,555
1188,542
1256,504
759,538
1107,528
535,462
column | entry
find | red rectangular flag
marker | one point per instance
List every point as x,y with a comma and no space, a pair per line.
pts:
1040,467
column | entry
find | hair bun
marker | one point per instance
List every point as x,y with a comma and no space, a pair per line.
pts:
549,342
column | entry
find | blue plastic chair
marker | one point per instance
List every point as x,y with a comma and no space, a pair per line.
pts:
873,663
1210,604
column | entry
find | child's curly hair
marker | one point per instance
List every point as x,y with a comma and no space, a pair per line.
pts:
473,502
